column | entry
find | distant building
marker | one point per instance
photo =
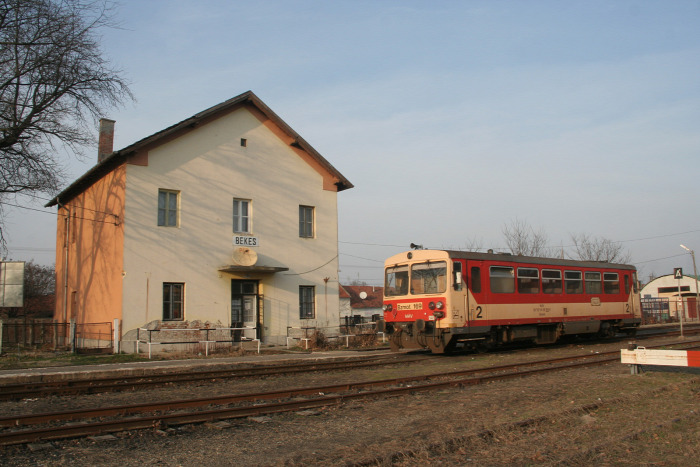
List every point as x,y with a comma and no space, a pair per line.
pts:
666,288
226,219
361,300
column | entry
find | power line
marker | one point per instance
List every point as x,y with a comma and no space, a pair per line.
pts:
58,202
366,259
371,244
500,248
659,259
114,222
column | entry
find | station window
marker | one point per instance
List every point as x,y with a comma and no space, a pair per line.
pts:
306,221
242,215
593,285
502,279
307,302
168,201
611,282
173,301
573,282
528,280
551,281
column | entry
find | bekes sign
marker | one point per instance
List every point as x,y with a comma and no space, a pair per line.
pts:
240,240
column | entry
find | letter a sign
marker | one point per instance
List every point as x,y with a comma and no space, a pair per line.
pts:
678,273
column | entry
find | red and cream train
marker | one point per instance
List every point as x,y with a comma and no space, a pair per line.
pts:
444,300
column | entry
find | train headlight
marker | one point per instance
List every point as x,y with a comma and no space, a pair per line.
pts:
386,307
431,305
440,305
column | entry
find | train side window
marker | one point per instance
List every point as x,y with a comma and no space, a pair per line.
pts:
476,279
551,281
573,282
528,280
457,278
627,284
502,279
593,282
611,282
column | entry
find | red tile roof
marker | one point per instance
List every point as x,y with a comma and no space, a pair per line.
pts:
372,296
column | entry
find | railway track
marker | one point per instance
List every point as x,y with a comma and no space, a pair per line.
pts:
133,382
124,383
172,413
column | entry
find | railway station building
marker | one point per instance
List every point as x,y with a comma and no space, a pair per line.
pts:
225,220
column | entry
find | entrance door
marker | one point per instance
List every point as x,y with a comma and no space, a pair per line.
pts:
476,271
244,308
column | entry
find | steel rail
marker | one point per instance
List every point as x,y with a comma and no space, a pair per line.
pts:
289,393
129,382
25,436
118,383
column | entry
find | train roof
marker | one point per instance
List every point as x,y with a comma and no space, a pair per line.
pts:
507,257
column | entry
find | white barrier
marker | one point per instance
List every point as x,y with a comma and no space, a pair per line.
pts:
642,356
206,341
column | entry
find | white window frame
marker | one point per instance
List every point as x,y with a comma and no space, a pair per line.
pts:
307,226
242,222
167,210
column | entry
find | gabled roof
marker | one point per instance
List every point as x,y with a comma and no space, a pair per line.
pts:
118,157
373,297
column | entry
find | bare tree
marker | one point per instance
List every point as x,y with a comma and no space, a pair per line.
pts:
39,280
522,239
54,83
472,244
599,249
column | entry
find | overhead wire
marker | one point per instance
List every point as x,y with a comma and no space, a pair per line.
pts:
115,222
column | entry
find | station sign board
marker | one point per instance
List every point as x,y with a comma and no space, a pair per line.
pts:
245,240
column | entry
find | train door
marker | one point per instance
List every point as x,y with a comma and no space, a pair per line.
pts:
244,307
458,302
477,293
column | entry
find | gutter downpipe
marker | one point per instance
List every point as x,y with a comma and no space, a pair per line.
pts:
65,262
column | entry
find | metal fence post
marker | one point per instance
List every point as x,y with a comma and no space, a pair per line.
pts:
72,335
0,337
116,342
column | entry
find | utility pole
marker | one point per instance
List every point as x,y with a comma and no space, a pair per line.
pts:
695,273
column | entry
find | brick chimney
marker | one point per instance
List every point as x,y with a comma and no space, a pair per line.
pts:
105,145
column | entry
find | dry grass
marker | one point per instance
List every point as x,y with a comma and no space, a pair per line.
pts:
593,416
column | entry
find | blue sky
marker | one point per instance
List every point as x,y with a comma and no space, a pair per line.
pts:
451,118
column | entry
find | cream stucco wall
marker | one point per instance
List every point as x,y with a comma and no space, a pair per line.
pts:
209,167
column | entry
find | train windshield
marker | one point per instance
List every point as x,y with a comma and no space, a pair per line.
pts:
396,281
428,278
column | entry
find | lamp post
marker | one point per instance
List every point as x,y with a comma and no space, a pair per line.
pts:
695,273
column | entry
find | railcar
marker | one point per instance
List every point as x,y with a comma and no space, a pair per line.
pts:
444,300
